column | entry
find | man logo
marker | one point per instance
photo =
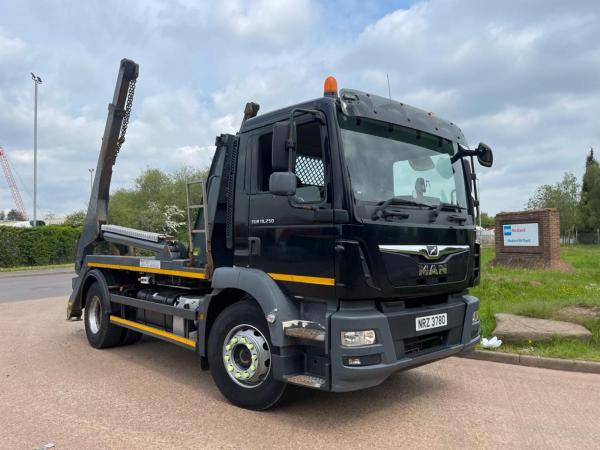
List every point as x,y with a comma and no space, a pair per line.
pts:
432,251
432,270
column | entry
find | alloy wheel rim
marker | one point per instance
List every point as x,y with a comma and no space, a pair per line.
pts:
246,356
95,314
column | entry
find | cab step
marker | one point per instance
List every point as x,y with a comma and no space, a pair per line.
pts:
303,379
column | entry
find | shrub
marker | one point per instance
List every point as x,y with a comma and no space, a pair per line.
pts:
75,219
37,246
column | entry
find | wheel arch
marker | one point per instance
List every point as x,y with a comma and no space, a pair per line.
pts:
231,284
103,278
218,301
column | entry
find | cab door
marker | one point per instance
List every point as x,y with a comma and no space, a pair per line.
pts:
287,239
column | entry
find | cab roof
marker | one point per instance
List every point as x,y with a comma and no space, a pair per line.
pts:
361,104
356,103
281,114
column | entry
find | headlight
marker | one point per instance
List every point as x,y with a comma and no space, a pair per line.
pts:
358,338
475,317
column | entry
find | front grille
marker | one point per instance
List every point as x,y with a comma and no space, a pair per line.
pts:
405,270
421,343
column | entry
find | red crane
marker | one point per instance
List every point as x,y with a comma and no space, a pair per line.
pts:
14,190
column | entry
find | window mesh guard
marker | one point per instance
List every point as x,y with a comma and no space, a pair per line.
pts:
310,170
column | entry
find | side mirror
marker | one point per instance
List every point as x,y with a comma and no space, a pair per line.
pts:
280,158
282,183
485,157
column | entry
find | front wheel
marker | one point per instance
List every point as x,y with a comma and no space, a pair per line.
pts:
239,354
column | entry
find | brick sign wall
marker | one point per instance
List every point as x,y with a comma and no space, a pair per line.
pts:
528,238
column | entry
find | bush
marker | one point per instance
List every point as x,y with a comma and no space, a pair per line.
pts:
75,219
37,246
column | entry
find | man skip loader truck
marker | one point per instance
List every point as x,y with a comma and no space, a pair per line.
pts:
334,245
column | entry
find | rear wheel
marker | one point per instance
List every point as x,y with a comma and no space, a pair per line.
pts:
239,354
98,329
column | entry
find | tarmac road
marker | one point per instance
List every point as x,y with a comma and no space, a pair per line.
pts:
55,388
31,284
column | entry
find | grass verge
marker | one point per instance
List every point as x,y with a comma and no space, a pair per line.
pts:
21,268
542,294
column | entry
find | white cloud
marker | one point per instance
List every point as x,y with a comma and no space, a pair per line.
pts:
258,21
522,78
10,47
194,155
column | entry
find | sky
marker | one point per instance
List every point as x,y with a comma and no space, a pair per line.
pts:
523,77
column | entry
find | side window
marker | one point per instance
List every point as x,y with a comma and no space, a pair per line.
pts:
309,167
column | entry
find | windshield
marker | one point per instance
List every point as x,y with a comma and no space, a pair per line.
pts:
386,161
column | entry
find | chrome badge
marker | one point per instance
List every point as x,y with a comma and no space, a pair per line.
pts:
432,270
432,251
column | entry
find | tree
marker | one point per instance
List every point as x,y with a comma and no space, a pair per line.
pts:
2,215
563,196
156,203
589,208
75,219
487,221
15,215
166,219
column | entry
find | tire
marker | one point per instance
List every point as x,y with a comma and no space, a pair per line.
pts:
246,380
98,329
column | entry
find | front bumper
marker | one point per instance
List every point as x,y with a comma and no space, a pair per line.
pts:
399,346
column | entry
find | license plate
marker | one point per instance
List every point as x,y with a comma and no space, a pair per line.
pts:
434,321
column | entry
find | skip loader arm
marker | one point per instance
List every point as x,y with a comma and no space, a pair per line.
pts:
113,138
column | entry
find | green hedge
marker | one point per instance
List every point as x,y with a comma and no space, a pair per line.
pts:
37,246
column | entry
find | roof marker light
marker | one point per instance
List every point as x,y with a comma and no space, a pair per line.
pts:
330,87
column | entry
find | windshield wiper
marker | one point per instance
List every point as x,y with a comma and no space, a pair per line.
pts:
448,207
451,207
396,201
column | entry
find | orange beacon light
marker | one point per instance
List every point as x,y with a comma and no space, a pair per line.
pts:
330,87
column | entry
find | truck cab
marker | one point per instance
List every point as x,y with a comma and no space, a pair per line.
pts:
374,229
335,246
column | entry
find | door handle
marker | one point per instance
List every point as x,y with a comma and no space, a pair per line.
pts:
254,246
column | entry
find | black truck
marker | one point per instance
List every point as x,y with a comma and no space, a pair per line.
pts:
333,246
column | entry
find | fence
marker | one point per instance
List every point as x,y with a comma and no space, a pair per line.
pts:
485,237
581,238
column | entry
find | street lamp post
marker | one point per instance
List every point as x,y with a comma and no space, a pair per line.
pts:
36,80
91,171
